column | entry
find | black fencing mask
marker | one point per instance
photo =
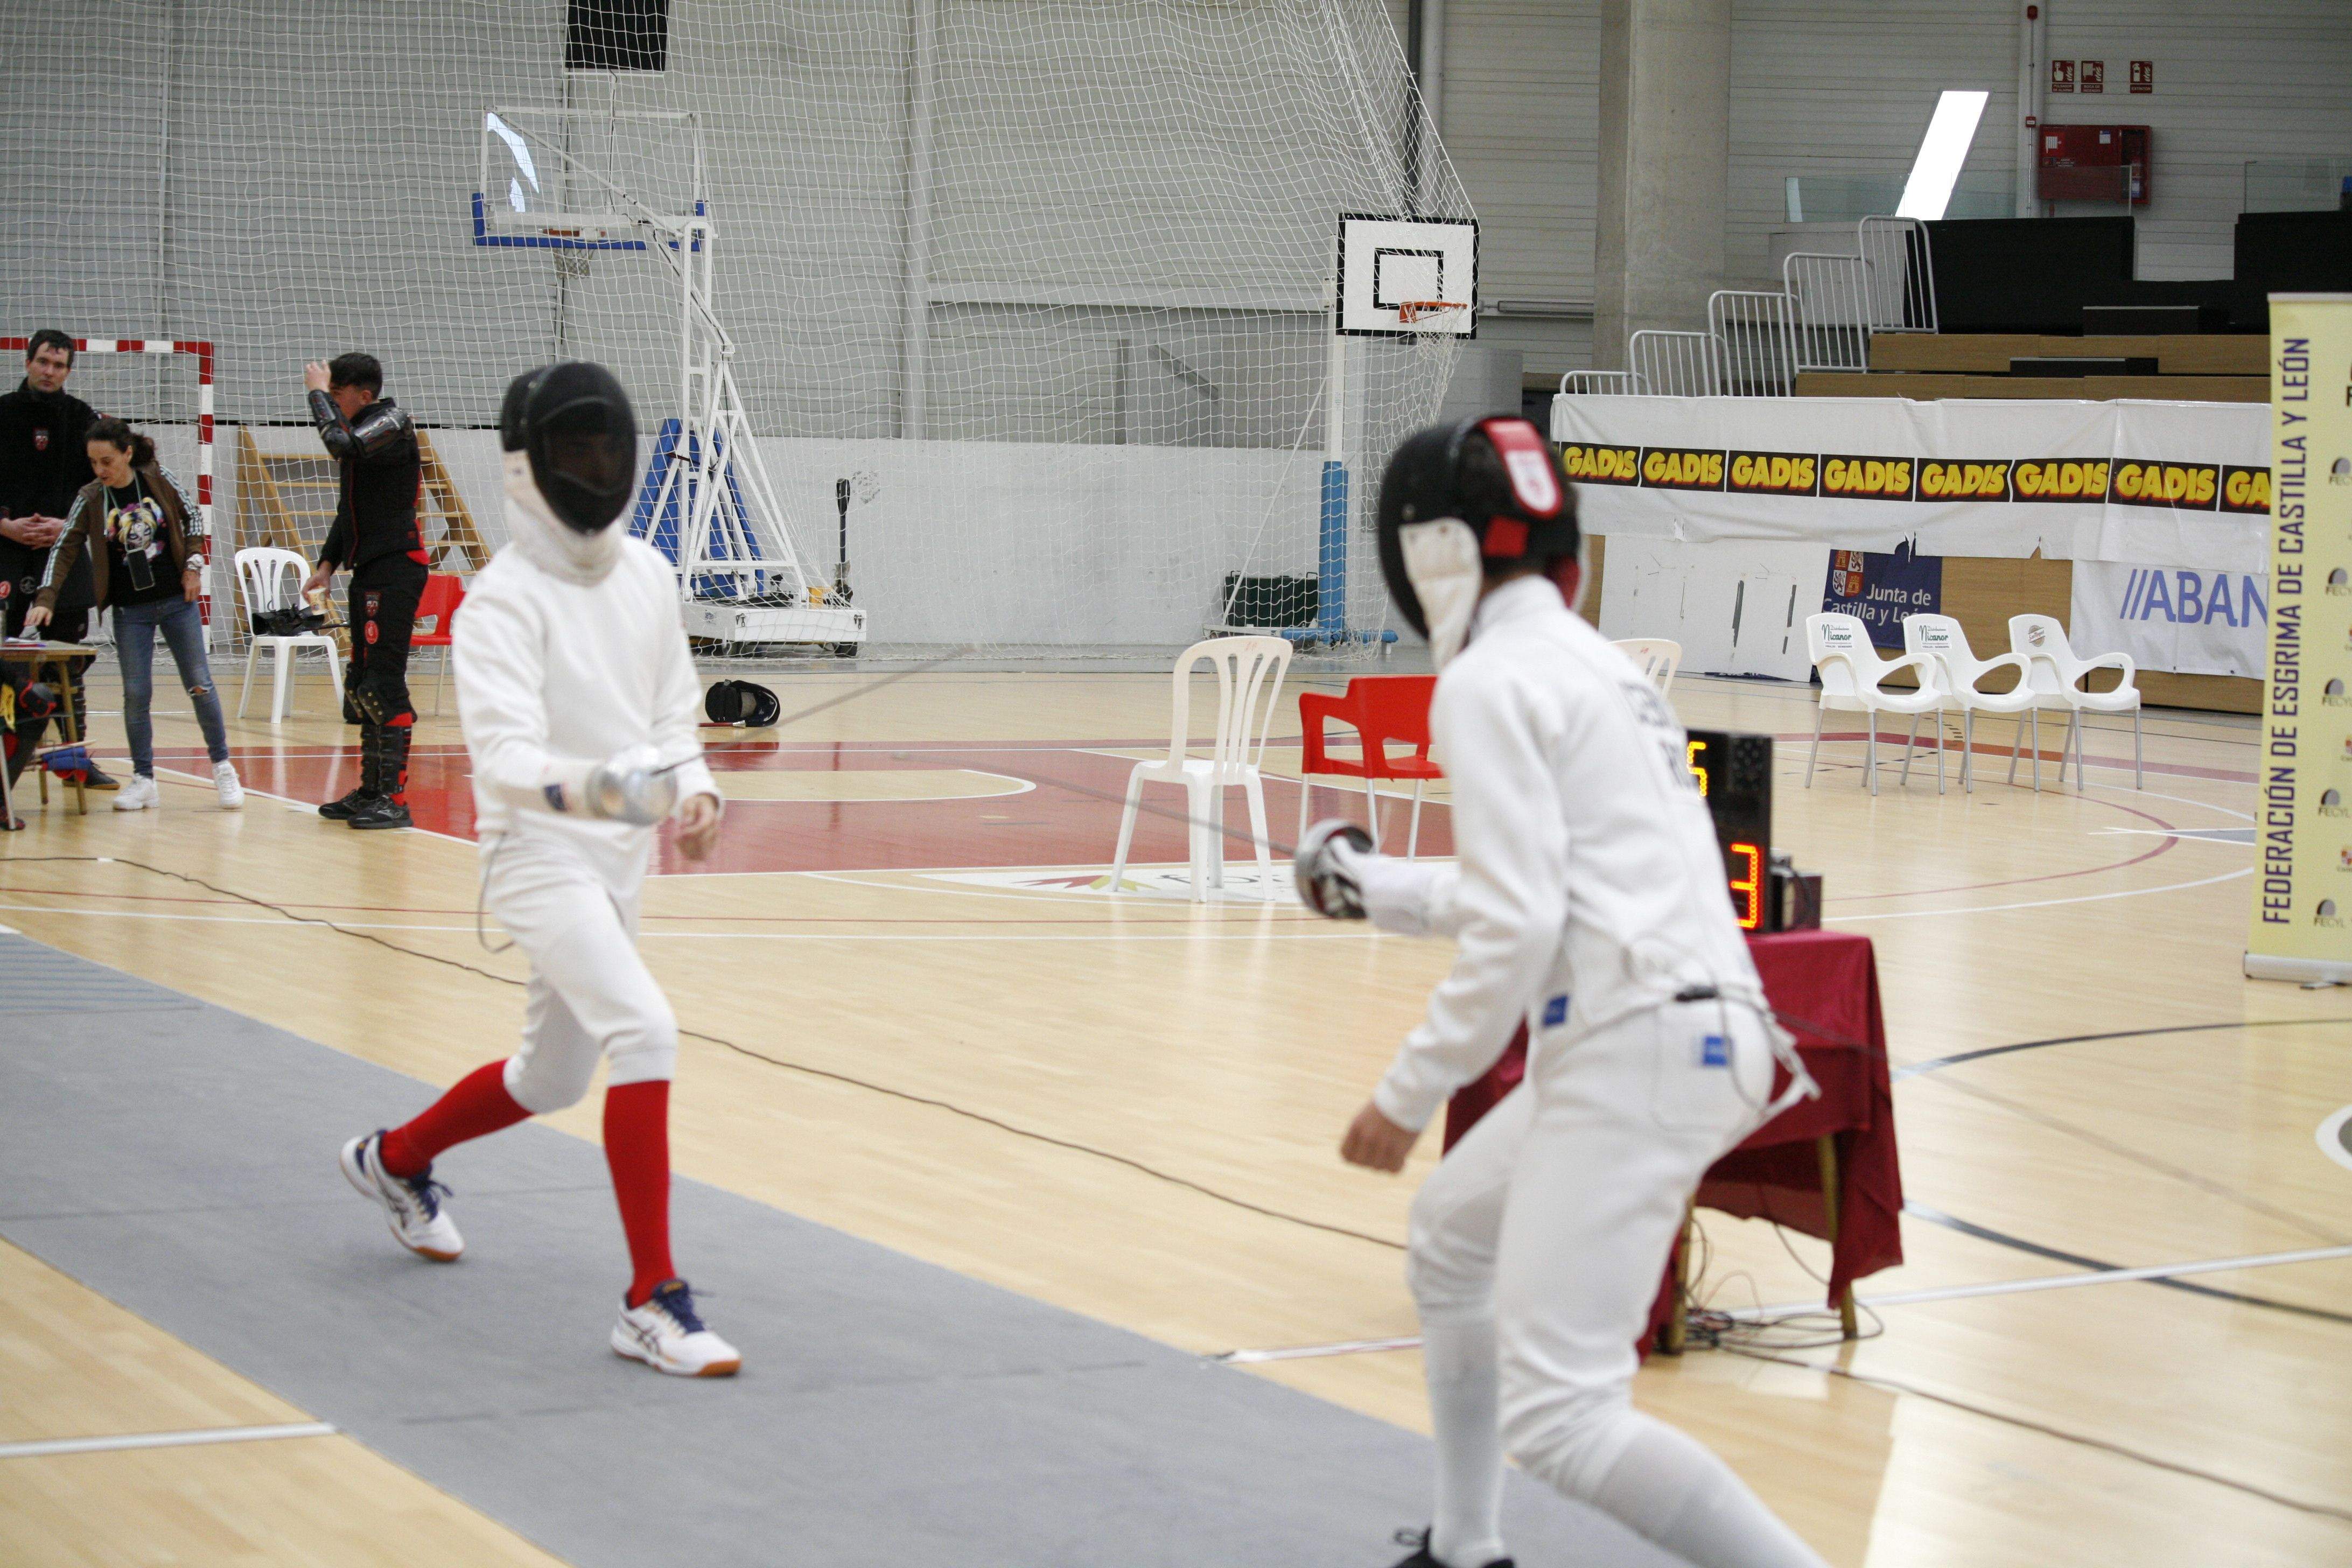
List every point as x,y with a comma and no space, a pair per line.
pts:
574,423
743,702
1457,499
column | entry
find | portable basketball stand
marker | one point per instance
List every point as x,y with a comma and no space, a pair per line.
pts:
706,502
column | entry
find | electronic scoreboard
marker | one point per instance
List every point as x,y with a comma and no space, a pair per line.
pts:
1735,777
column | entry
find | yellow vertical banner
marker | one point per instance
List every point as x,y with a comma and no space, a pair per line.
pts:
2302,925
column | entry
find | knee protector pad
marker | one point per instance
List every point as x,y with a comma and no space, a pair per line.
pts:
381,699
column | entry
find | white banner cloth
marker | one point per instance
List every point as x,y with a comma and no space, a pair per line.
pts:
2175,484
2171,618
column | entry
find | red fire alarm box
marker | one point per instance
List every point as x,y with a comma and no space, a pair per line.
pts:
2093,163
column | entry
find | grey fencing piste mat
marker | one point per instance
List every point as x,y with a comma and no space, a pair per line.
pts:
180,1159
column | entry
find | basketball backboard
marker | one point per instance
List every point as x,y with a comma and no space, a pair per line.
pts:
587,179
1389,263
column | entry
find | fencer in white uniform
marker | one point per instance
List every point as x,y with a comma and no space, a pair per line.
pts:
1588,901
579,703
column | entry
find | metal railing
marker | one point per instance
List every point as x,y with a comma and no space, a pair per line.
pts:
1603,383
1676,364
1830,295
1902,274
1757,340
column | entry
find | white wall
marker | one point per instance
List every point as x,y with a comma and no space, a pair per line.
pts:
1832,87
1128,200
2235,80
961,544
1521,118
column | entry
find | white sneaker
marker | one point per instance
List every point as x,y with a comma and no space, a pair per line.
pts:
667,1336
411,1204
139,795
225,782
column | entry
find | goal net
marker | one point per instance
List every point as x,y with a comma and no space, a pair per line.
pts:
1026,304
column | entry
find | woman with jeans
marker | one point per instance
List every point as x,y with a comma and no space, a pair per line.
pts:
146,545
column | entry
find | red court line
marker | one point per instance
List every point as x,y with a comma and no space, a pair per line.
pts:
2011,882
1069,816
724,919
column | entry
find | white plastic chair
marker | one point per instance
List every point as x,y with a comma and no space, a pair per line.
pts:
1658,656
1250,672
1940,638
1852,676
271,579
2056,671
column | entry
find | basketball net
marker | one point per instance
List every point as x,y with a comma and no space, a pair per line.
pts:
1434,323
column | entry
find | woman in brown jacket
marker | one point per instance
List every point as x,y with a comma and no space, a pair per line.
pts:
146,543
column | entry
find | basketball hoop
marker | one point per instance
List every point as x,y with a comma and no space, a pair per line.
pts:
1433,315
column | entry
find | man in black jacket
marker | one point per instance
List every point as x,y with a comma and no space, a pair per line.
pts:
375,536
43,462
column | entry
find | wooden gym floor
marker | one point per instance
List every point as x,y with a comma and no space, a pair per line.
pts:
913,1015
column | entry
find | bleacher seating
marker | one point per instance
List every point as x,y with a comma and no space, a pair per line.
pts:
2190,368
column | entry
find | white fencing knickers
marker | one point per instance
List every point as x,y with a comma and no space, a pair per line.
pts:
1548,1228
571,906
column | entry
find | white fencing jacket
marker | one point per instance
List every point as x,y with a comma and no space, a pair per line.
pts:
1588,886
554,673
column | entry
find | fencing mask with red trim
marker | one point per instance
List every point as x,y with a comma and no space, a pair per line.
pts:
1459,499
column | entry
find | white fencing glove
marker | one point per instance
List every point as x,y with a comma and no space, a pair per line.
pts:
630,786
1328,869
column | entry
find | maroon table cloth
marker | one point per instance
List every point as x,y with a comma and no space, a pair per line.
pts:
1824,986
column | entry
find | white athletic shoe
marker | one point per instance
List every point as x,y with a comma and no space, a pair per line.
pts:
225,782
667,1336
411,1204
139,795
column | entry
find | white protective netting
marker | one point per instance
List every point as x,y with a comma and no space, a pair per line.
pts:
1045,282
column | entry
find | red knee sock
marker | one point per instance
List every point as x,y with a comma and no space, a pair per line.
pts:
637,1146
478,1106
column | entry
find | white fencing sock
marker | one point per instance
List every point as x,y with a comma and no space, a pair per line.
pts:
1668,1488
1467,1529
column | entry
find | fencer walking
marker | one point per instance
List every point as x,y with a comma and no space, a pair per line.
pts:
1589,901
579,704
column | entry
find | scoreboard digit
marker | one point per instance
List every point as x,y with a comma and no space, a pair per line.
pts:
1734,774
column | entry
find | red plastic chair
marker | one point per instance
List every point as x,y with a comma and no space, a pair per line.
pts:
439,604
1383,710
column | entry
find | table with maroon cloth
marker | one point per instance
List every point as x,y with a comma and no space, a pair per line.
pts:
1828,1166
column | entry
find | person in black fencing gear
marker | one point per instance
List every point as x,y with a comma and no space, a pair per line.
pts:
374,537
744,702
1587,903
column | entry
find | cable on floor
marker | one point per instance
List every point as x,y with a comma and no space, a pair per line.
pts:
951,1106
1895,1385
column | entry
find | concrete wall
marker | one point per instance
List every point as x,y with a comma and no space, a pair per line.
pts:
1837,92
